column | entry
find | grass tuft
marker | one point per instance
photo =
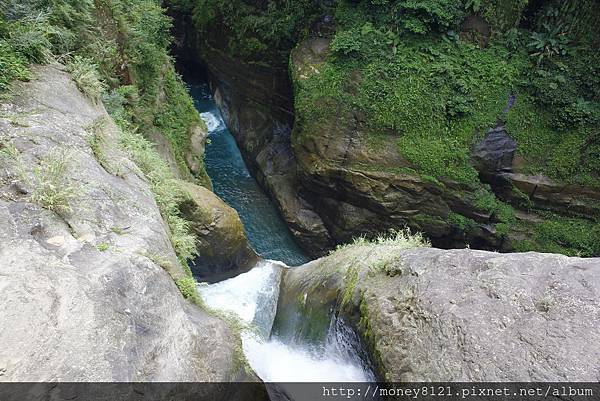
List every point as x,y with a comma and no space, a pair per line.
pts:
51,188
403,239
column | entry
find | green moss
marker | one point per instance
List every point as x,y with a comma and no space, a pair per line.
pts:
102,247
187,287
369,338
349,286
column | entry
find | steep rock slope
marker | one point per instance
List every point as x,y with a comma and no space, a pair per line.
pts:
460,315
87,269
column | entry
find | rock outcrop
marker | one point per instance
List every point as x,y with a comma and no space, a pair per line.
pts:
86,265
460,315
223,249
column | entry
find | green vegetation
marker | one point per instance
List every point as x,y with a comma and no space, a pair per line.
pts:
399,239
263,32
106,44
117,52
103,247
460,221
167,191
440,93
350,282
187,287
569,236
434,93
49,181
85,74
51,188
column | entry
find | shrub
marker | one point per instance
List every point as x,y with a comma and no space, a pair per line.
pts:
347,42
13,66
422,16
29,37
551,43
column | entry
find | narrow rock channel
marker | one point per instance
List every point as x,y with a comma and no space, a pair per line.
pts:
252,297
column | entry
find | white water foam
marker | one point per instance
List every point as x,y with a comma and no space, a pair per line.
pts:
213,121
275,361
253,296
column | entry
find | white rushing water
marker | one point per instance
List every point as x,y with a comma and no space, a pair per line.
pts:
213,122
252,297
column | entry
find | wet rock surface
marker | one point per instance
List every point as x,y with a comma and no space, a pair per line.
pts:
87,277
460,315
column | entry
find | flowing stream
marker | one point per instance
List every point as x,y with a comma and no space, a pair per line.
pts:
252,297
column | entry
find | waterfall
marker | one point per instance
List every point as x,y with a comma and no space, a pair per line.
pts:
252,298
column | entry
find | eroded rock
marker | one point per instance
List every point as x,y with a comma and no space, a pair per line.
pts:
86,264
461,315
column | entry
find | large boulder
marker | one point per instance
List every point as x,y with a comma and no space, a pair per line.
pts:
461,315
87,270
495,153
223,249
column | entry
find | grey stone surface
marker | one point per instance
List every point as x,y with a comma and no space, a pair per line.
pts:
495,152
461,315
83,295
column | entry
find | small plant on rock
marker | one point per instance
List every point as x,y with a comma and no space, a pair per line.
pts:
50,187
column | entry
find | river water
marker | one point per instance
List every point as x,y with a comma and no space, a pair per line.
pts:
252,297
233,183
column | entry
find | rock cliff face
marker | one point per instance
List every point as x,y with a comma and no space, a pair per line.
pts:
361,189
336,178
434,315
333,185
86,265
323,186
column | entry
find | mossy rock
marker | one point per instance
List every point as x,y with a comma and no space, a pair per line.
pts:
223,249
